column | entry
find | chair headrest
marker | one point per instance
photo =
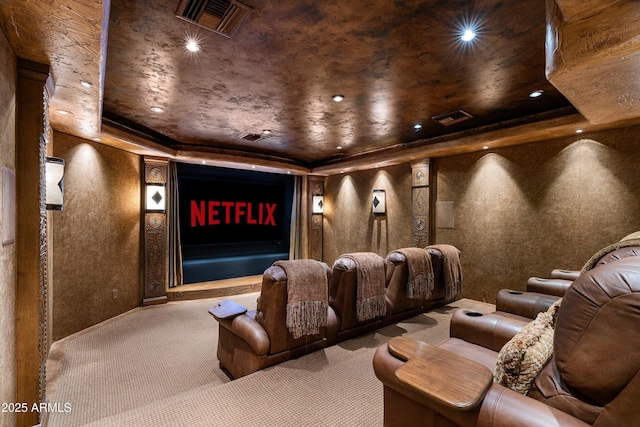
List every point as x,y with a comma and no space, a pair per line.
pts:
597,335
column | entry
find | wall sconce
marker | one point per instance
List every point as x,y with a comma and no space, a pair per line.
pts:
155,198
54,176
318,204
379,202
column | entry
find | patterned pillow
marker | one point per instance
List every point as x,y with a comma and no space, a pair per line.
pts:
524,356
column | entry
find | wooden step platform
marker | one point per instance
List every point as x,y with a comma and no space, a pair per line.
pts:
216,289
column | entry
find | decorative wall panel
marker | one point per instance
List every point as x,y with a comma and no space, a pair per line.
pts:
156,272
316,185
155,255
420,202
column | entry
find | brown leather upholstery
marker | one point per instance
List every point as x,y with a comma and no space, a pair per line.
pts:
593,379
252,341
398,305
541,293
525,304
255,340
555,287
597,346
560,273
342,298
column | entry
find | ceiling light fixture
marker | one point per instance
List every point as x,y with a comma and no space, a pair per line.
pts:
339,147
417,127
266,132
192,45
86,84
468,35
486,147
338,98
536,94
64,112
157,109
579,131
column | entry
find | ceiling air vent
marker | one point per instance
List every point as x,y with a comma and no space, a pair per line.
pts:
220,16
252,137
452,117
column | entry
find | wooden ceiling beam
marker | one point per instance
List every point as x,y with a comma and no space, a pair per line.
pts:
593,57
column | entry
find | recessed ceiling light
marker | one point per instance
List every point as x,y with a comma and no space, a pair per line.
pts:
97,139
157,109
192,45
579,131
486,147
339,147
266,132
64,112
536,94
417,127
338,98
86,84
468,35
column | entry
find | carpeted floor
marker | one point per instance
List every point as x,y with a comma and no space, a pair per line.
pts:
156,366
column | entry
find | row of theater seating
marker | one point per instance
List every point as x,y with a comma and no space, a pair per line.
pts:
591,375
252,340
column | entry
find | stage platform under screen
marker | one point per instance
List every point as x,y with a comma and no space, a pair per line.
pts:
216,289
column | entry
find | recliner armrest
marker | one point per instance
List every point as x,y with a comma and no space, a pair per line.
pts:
556,287
503,407
249,330
525,304
558,273
490,331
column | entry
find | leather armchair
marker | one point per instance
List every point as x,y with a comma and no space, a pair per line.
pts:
592,379
259,338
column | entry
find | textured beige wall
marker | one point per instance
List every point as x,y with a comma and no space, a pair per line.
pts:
7,252
349,225
522,211
96,238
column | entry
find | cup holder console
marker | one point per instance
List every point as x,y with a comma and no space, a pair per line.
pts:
473,313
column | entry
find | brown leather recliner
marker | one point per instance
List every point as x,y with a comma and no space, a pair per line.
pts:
399,306
343,296
541,293
260,338
592,379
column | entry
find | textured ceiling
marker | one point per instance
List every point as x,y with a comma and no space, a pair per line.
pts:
397,64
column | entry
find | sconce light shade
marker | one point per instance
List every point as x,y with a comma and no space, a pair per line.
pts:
54,173
379,202
318,204
155,198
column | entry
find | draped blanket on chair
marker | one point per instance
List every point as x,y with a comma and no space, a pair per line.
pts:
370,284
451,269
307,296
420,282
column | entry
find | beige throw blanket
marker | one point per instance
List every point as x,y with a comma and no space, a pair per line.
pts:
307,295
451,270
420,280
370,284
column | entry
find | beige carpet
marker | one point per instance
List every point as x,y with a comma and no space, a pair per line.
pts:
156,366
